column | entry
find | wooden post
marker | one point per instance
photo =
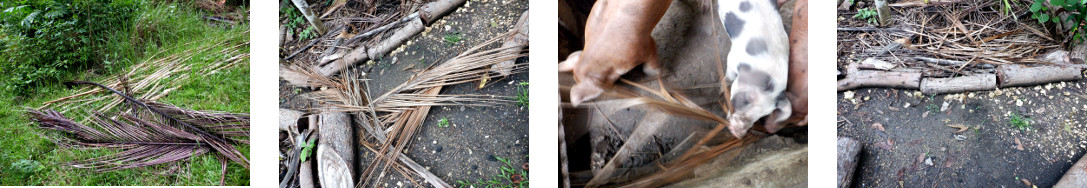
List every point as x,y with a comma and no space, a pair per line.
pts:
848,156
310,16
884,12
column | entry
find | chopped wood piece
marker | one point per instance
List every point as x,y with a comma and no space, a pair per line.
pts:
333,171
978,82
848,155
856,78
1018,75
336,132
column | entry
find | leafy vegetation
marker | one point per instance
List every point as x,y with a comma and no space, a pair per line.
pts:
307,149
509,176
42,40
294,21
1076,17
867,14
443,122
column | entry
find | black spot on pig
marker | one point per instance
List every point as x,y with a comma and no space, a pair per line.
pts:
756,46
758,78
745,6
740,101
733,25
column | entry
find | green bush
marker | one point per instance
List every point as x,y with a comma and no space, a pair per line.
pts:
1077,15
24,166
43,39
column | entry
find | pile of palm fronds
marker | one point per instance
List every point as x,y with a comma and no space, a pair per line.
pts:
943,40
389,121
150,79
150,133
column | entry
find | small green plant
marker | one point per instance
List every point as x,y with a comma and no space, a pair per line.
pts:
307,33
443,122
932,108
1019,122
453,38
522,94
867,14
1077,10
307,149
509,175
24,166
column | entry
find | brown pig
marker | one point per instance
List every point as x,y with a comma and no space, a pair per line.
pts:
617,39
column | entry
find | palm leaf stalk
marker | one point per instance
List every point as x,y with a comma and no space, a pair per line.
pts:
160,134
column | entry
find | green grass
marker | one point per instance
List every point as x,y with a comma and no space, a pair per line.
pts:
509,175
453,38
159,30
522,94
1018,122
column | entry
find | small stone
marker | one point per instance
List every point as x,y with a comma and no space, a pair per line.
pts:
960,137
1018,102
928,161
971,95
867,98
848,94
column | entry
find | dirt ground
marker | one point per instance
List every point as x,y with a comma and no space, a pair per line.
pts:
690,43
1009,137
469,148
915,131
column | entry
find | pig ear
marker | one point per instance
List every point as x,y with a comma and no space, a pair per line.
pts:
571,62
584,91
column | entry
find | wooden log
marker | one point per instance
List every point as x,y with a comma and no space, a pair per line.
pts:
333,171
979,82
435,10
288,120
518,39
856,78
336,133
848,156
402,35
1075,176
305,174
310,16
1018,75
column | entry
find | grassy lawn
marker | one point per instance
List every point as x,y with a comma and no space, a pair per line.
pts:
159,30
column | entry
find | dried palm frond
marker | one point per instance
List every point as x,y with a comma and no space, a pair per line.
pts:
155,133
662,100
